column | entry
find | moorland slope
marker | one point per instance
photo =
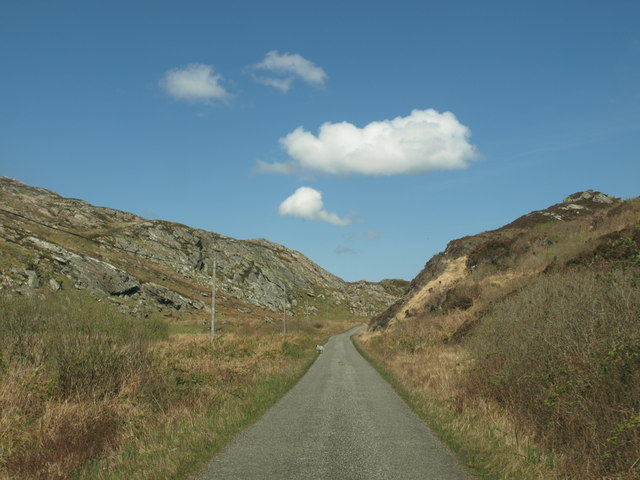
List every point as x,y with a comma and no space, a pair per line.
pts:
521,345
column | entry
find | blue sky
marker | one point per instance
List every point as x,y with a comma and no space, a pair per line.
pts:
325,127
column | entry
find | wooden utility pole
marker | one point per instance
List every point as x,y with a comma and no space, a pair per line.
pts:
326,308
284,312
213,297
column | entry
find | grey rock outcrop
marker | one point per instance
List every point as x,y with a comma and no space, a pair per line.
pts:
54,285
165,264
575,205
166,296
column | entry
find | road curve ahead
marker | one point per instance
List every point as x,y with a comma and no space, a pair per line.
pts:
341,421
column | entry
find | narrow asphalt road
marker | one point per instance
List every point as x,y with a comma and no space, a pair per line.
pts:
341,421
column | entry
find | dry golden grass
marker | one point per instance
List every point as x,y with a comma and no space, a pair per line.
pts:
454,272
429,375
538,377
563,356
161,416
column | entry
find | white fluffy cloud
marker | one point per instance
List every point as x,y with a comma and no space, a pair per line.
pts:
288,67
195,83
424,141
306,202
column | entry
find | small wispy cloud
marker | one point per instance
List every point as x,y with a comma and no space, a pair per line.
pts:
306,203
341,250
372,235
282,84
287,67
424,141
350,237
195,83
284,168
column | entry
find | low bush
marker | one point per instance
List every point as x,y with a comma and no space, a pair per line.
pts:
89,348
87,392
70,436
65,359
564,356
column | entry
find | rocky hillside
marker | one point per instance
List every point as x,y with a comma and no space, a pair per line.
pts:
531,330
53,242
449,278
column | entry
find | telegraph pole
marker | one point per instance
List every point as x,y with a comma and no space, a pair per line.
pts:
284,311
326,308
213,297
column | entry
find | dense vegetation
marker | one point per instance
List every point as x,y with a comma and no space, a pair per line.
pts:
530,365
563,355
88,392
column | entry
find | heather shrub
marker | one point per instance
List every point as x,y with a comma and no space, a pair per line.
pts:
89,348
564,356
69,436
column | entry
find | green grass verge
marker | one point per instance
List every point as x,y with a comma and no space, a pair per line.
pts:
185,447
483,459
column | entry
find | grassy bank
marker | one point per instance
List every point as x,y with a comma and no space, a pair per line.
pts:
86,392
544,385
482,435
522,349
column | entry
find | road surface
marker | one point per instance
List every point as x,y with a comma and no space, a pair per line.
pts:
341,421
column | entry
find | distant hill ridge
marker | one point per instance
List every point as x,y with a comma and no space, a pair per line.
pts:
150,265
500,252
